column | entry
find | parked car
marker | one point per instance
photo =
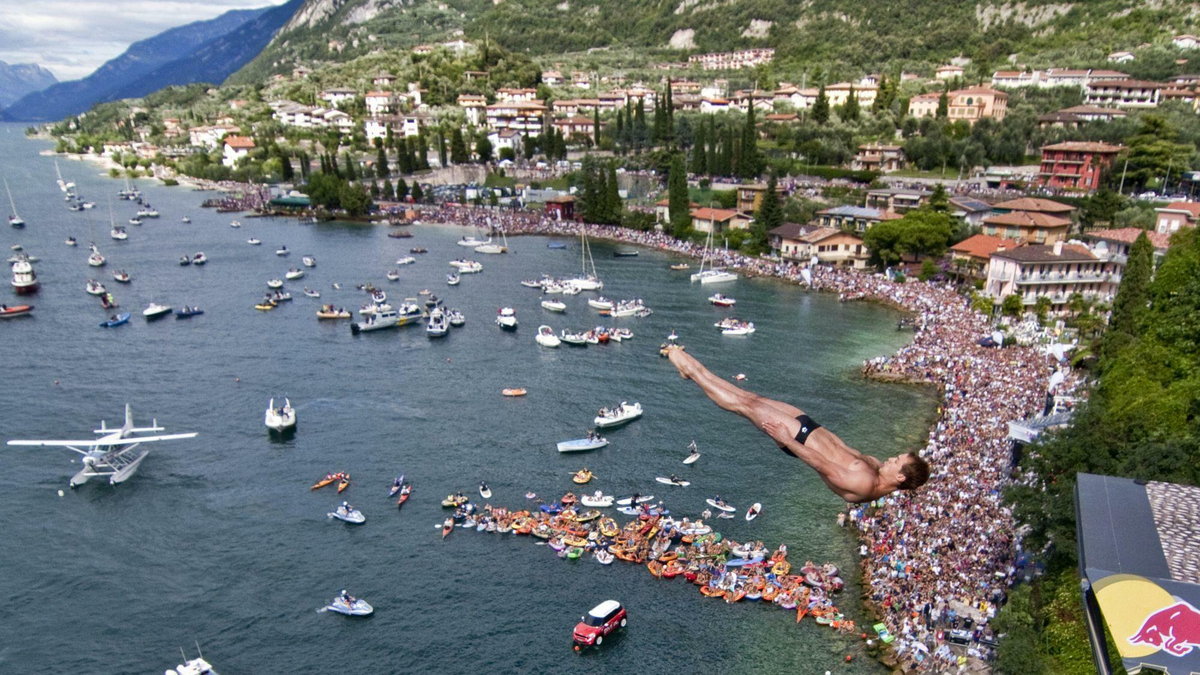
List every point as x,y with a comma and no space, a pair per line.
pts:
601,620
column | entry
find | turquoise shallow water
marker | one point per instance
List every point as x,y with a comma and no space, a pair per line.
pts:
218,540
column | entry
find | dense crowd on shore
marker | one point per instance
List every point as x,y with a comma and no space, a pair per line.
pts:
938,562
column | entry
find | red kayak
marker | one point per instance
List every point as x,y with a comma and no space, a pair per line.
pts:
8,312
404,492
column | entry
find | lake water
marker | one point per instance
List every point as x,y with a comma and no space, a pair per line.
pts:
218,540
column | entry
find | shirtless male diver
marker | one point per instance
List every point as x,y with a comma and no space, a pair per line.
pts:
851,475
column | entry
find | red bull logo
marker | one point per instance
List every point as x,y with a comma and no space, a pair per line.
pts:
1174,629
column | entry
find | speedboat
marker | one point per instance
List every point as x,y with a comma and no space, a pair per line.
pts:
254,241
592,442
311,293
188,312
121,276
119,233
8,312
95,287
753,511
546,337
452,279
467,266
600,302
456,317
282,418
274,283
199,258
235,223
506,318
282,250
733,326
573,339
437,326
472,242
185,220
71,241
348,514
115,320
309,261
349,605
626,412
484,490
185,260
393,275
721,300
156,311
554,305
406,260
294,273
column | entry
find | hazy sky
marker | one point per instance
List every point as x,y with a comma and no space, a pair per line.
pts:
71,38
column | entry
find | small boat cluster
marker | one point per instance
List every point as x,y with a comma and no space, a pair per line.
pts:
669,548
732,326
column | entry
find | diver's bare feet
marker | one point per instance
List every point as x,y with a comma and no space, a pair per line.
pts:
678,358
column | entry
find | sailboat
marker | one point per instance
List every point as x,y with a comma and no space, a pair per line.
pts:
14,219
587,281
491,246
713,274
63,185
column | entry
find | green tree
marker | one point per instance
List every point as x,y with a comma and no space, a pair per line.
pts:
768,217
938,200
1132,303
381,162
614,208
596,126
820,108
679,206
1101,208
850,111
943,106
458,147
921,232
750,165
483,149
1012,305
402,188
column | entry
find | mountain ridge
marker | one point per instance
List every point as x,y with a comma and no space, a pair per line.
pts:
19,79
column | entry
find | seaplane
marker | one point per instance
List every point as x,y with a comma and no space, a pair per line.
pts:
117,453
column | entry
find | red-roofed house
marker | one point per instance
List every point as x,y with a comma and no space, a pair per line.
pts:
1176,215
1076,165
1030,220
972,255
236,147
1056,272
717,220
971,104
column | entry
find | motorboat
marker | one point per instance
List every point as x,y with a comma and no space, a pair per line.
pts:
409,313
634,500
282,251
437,325
308,261
591,442
254,241
628,308
452,279
146,211
513,391
672,480
348,605
379,320
393,275
71,241
134,221
626,412
506,318
418,249
456,317
554,305
484,490
235,224
199,258
119,233
347,513
293,274
196,666
732,326
156,311
185,220
597,500
24,279
406,260
753,511
310,293
185,260
266,305
107,301
95,259
121,276
274,283
278,296
432,301
573,339
625,252
281,418
721,300
12,311
375,308
95,287
546,337
600,302
467,266
187,312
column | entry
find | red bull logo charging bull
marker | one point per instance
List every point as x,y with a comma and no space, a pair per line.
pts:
1174,629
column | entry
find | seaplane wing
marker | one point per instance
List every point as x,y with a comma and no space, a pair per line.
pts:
102,442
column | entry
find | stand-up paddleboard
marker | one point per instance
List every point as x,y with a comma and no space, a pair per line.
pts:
720,505
672,481
754,510
627,501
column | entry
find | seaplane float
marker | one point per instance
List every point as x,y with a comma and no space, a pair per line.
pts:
117,453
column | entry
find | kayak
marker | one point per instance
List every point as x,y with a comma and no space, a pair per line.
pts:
447,527
754,510
517,391
344,484
329,478
673,481
404,493
720,505
397,485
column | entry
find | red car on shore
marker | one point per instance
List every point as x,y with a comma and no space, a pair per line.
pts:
601,620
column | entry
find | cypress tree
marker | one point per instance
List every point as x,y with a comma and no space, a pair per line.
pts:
388,193
660,122
751,162
381,163
305,167
417,193
441,141
851,111
1130,306
820,109
404,159
640,131
678,204
768,217
613,206
596,126
422,148
401,188
458,147
619,135
669,110
943,108
287,174
699,163
351,171
333,165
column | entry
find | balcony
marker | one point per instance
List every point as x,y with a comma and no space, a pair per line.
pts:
1056,278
